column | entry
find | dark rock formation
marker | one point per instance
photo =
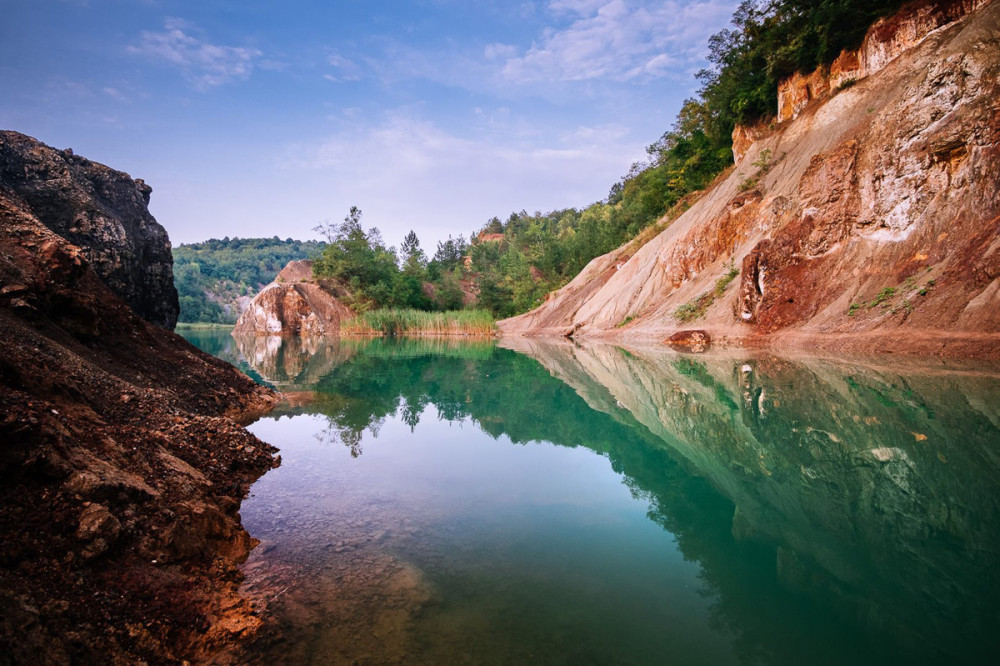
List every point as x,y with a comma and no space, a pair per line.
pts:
294,304
121,465
102,211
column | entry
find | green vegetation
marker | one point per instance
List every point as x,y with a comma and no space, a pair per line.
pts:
887,295
508,267
403,322
517,262
696,308
211,276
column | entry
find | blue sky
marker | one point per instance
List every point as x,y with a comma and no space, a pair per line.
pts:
253,118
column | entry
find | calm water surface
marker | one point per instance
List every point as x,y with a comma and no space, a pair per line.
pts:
443,503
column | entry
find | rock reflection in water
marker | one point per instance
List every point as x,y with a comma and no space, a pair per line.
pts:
834,511
877,487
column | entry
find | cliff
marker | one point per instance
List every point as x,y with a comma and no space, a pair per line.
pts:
103,212
122,466
869,222
294,304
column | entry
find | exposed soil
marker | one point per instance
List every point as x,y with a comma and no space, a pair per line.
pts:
122,468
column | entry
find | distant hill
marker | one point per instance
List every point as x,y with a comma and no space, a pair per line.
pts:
217,278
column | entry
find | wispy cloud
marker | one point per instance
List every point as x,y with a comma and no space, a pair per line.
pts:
618,39
441,182
345,69
204,64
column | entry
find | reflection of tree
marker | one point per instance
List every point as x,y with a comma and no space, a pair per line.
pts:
838,497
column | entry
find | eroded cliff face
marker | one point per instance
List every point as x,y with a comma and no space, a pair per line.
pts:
870,222
294,304
884,42
122,464
104,213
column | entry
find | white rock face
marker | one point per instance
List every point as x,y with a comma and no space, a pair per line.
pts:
293,304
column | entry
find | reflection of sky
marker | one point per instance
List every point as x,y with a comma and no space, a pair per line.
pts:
555,525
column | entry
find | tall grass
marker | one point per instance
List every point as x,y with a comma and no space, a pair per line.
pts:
396,321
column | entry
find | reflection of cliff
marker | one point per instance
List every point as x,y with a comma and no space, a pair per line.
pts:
878,490
873,492
295,361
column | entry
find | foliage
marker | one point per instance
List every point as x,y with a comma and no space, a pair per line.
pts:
510,266
393,322
212,275
696,308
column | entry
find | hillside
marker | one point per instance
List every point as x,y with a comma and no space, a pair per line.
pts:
868,220
217,278
122,466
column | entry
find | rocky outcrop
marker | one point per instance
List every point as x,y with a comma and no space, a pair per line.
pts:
294,304
870,222
104,213
122,466
883,43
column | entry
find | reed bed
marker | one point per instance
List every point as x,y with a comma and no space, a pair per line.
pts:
402,322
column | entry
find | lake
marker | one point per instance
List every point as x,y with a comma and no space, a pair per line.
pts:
450,503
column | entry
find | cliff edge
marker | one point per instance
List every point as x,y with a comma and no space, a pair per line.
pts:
104,213
122,464
870,221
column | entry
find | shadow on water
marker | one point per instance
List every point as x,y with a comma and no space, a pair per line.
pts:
834,510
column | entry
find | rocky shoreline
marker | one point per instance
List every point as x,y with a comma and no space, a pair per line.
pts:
123,463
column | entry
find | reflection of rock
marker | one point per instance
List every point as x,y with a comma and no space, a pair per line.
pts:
877,488
298,361
294,304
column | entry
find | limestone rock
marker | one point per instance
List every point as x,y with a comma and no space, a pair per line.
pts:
294,304
870,222
102,211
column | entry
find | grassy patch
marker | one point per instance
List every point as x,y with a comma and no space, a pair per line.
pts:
625,322
887,296
201,326
404,322
696,308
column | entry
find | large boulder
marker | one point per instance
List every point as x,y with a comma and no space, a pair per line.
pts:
102,211
294,304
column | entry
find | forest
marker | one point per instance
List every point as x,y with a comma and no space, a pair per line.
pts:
508,266
211,277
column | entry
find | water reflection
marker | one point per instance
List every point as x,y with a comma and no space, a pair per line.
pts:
835,510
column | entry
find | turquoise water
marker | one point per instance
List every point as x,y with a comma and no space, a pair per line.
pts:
441,503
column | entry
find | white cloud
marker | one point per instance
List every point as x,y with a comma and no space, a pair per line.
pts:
115,93
204,64
406,172
619,40
347,69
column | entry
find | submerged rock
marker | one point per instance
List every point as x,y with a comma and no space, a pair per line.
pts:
294,304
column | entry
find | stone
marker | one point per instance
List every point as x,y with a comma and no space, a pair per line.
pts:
695,342
99,529
294,304
104,213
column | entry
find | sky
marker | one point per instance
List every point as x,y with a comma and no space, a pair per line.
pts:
252,118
